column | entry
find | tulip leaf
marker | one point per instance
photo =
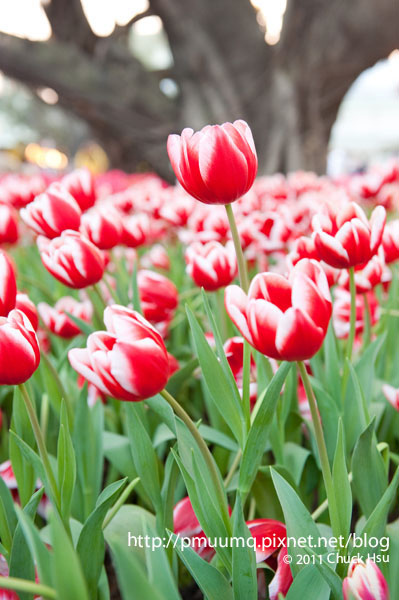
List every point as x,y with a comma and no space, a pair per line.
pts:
8,519
22,468
341,483
258,434
245,584
368,465
158,567
308,583
42,556
332,365
209,579
221,386
365,368
66,464
84,326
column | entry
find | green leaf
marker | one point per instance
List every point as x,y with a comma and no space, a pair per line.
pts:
117,451
342,488
30,455
128,524
91,546
308,583
221,386
158,567
356,416
163,410
332,365
21,563
297,518
365,368
211,581
84,326
245,585
42,556
368,466
67,571
135,290
22,468
8,519
66,464
295,458
178,379
258,434
143,453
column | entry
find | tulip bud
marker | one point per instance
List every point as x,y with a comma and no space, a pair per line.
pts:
57,320
8,285
72,259
216,165
25,304
211,265
158,296
129,361
19,345
80,184
365,582
52,212
8,224
102,227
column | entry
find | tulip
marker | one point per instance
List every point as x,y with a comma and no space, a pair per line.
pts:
186,525
341,312
365,582
270,536
129,361
156,257
57,320
366,278
390,241
211,265
285,319
8,224
234,350
392,395
350,239
103,227
72,259
158,296
19,349
304,247
136,230
8,285
52,212
25,304
216,165
80,184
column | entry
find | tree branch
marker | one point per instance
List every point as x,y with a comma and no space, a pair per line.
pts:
69,24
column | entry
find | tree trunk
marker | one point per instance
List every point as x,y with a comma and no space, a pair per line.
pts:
289,93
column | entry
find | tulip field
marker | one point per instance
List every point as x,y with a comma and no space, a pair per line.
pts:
199,382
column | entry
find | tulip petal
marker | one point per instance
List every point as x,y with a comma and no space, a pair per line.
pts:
298,338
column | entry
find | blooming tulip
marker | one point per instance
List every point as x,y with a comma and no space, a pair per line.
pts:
52,212
351,239
80,184
25,304
57,320
8,224
285,319
72,259
129,361
103,227
365,582
390,241
211,265
8,285
19,349
216,165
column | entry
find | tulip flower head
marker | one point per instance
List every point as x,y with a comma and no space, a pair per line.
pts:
285,319
103,227
25,304
8,224
211,265
391,394
365,582
80,184
129,361
8,285
57,320
216,165
19,349
349,239
72,259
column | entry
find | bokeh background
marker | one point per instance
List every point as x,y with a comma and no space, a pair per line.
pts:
102,83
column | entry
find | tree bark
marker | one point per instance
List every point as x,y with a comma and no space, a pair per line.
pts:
289,93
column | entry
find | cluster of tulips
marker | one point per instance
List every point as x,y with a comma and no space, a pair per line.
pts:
213,360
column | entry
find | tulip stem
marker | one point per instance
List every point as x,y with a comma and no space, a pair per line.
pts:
352,331
29,587
41,445
322,449
208,458
367,322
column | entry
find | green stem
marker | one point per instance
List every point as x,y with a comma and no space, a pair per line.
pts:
60,385
120,502
242,265
41,446
367,322
222,313
30,587
352,330
233,468
322,449
99,295
246,372
208,458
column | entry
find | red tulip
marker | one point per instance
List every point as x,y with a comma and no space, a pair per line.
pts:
72,259
8,285
367,277
25,304
351,239
365,582
270,537
156,257
158,296
57,320
19,349
52,212
285,319
186,525
211,265
103,227
304,247
390,241
234,350
392,395
80,183
216,165
129,361
136,230
8,224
